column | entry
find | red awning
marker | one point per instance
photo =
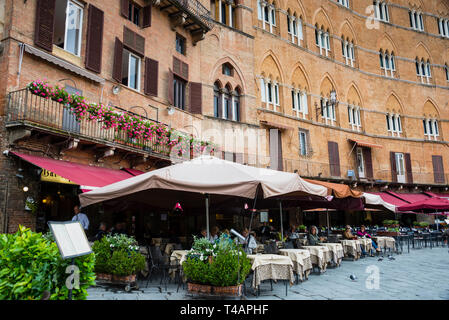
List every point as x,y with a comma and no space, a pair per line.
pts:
410,197
430,205
133,172
88,177
390,199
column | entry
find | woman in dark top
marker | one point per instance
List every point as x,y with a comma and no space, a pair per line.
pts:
313,238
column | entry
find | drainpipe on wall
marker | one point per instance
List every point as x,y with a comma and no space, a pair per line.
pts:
5,222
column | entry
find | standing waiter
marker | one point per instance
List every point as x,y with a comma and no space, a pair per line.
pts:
81,217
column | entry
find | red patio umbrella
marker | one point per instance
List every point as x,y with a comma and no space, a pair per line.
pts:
430,205
433,205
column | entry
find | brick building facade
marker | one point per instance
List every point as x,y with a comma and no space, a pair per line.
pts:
353,92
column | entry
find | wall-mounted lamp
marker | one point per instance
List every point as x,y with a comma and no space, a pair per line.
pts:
25,189
170,111
116,89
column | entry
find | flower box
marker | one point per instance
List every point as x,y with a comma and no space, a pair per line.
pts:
387,233
104,276
235,291
199,288
127,279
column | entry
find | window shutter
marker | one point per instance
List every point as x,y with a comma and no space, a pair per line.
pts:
408,168
394,173
133,41
94,46
185,70
151,76
368,162
45,21
280,158
180,69
196,97
124,8
438,169
147,16
176,66
334,159
118,61
171,94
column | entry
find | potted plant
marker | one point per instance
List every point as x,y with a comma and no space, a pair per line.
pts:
117,258
219,268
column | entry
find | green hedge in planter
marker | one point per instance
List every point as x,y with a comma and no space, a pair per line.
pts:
118,255
218,264
31,264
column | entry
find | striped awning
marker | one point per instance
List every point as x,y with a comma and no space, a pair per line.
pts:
366,144
62,63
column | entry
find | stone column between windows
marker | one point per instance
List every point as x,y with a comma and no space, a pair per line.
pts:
263,5
291,28
229,4
296,102
267,101
270,18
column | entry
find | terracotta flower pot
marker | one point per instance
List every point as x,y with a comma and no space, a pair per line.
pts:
229,291
129,278
199,288
104,276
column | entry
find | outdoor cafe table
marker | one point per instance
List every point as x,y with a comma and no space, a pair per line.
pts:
385,242
366,243
320,256
336,250
351,247
271,267
177,255
302,264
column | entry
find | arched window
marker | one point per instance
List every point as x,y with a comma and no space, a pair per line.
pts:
299,103
387,63
217,100
423,70
347,47
294,28
354,117
328,111
227,105
236,104
322,39
431,130
443,27
381,10
394,125
270,93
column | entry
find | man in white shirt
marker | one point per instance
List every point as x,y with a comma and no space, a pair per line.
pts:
81,217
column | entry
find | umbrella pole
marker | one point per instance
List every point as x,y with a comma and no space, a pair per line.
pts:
328,227
282,227
207,215
436,212
252,212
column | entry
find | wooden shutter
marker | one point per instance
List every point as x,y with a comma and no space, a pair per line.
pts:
151,76
394,172
45,22
368,162
408,168
147,16
171,94
196,97
118,61
124,8
133,41
438,169
94,46
181,69
334,159
280,158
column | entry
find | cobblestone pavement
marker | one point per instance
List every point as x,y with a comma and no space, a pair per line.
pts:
421,274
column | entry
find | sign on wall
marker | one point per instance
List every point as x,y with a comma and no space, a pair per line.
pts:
49,176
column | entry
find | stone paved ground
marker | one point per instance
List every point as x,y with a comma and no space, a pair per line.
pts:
418,275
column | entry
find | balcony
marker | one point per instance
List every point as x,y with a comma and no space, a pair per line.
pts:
190,14
29,115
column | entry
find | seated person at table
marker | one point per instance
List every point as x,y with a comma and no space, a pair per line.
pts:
118,229
101,231
264,231
347,235
213,234
203,233
313,238
251,241
362,233
293,234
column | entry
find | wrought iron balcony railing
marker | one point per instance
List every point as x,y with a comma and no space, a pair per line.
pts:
197,13
27,109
